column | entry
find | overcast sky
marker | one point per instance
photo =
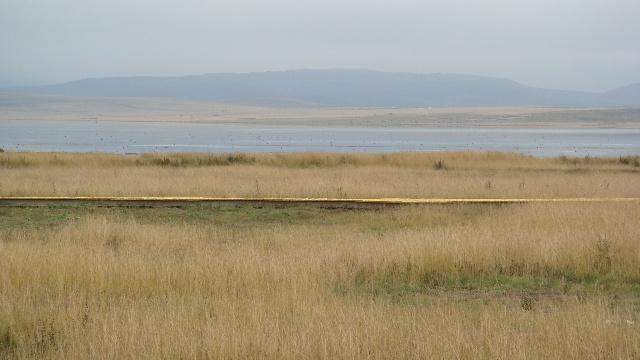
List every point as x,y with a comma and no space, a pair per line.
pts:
570,44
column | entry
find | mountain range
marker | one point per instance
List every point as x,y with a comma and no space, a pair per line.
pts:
341,87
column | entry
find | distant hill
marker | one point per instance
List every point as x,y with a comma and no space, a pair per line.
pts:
628,95
342,88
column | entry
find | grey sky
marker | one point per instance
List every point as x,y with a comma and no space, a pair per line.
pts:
572,44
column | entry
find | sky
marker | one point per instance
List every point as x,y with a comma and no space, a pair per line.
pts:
591,45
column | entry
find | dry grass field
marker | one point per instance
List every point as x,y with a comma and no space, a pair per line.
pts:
485,175
224,281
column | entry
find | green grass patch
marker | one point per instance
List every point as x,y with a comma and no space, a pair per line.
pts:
473,285
368,220
218,214
36,217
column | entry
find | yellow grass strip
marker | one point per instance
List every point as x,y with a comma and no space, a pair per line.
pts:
284,200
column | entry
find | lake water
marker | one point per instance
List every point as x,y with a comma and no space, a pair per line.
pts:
138,137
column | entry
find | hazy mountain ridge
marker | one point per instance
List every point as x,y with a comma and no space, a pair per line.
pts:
629,94
343,88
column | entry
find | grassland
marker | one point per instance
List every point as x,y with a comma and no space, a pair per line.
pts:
418,175
225,281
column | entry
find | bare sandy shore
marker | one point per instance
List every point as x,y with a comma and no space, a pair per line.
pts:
56,108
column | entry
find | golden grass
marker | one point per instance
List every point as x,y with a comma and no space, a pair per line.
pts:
463,160
520,281
222,281
418,175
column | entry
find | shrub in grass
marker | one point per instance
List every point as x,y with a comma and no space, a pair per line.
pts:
439,165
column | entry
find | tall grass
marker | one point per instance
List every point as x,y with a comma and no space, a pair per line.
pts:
460,160
533,281
316,175
517,281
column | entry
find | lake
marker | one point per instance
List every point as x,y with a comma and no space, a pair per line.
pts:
139,137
